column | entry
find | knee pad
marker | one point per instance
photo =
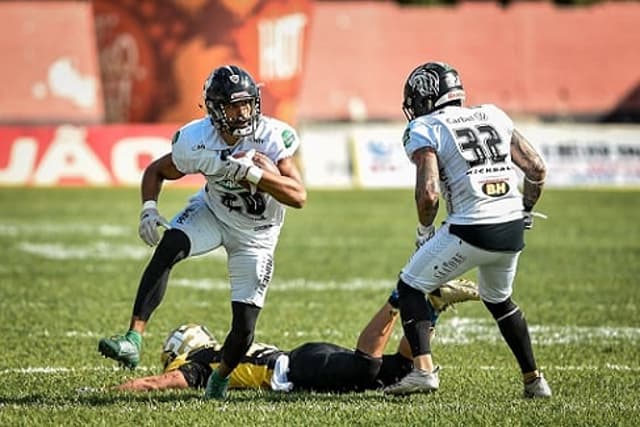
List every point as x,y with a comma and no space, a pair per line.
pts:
503,309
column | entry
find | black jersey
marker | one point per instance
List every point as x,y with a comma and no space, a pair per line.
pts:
329,367
254,371
316,366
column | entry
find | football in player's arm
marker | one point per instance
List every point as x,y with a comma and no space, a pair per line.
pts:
247,160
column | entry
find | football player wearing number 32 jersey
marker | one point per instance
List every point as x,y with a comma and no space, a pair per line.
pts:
469,156
247,161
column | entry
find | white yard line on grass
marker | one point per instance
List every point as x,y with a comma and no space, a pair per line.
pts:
41,229
63,370
98,250
454,330
464,330
295,284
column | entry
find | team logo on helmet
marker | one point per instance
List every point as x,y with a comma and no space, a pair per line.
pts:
234,78
426,83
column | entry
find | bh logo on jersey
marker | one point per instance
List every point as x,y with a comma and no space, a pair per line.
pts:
495,188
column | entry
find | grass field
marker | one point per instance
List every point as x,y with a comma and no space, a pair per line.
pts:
70,265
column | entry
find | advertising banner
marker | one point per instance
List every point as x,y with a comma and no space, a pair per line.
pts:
336,156
588,155
576,155
82,156
379,158
155,56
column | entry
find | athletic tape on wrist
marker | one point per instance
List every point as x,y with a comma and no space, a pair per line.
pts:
424,229
254,175
533,182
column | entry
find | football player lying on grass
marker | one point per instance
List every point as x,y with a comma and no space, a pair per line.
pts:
190,353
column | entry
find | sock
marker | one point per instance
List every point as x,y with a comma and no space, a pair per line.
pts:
530,377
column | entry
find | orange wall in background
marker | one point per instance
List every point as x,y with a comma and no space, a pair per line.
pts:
530,57
126,61
49,70
155,55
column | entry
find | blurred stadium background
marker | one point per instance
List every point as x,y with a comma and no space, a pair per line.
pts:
94,89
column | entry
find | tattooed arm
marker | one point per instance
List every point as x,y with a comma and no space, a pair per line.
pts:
427,190
530,162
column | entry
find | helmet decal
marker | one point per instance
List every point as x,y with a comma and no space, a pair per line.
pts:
425,82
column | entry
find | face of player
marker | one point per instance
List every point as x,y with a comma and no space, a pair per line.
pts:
239,113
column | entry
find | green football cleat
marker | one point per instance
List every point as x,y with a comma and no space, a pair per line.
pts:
122,349
216,387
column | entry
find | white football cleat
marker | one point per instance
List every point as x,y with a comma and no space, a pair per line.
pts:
537,388
416,381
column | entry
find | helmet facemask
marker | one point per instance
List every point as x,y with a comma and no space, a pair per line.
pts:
227,85
241,126
184,339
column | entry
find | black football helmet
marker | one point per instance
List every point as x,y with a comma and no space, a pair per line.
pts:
431,86
226,85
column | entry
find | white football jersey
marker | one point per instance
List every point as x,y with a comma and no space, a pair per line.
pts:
478,180
198,147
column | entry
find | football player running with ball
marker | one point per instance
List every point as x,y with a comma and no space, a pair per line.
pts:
469,156
247,161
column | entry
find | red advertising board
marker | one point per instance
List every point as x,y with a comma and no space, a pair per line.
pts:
82,155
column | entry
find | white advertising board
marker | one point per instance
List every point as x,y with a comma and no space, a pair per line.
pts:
379,158
326,162
577,155
588,155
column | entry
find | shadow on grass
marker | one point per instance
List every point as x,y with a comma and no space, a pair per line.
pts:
102,398
94,398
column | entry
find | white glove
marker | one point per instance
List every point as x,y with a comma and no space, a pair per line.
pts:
237,168
528,218
424,233
244,168
150,219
